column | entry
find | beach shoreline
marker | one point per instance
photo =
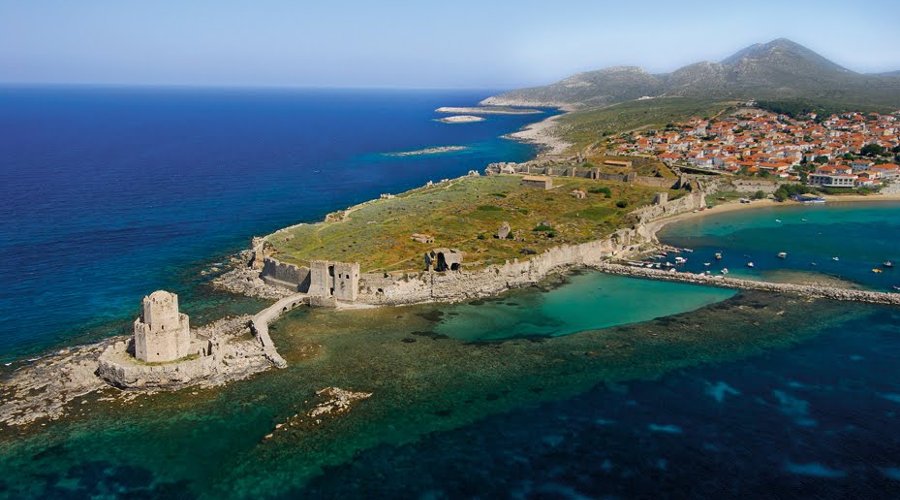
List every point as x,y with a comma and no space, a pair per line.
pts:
542,134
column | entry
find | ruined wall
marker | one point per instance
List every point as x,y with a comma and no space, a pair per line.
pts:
752,186
657,182
130,375
410,288
346,281
686,203
289,276
320,282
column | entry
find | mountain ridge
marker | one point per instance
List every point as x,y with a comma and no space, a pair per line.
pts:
777,70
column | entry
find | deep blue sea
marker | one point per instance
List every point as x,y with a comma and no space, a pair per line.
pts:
110,193
600,387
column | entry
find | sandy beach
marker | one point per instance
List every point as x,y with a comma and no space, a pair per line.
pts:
543,134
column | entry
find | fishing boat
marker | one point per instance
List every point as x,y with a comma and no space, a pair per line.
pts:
876,270
888,264
782,255
749,264
718,255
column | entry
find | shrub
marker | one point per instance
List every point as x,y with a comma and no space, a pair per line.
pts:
759,195
621,203
601,190
542,227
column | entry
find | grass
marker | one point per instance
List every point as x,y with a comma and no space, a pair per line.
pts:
588,127
377,234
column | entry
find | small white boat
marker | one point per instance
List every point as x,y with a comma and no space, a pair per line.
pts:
888,264
724,270
778,221
718,255
835,259
707,264
897,288
876,270
782,255
680,260
688,250
802,220
749,264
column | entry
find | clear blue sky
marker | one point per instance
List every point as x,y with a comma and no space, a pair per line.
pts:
448,43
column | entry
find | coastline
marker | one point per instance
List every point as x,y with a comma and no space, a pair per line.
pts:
542,134
735,206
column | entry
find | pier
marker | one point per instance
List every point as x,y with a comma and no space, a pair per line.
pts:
812,291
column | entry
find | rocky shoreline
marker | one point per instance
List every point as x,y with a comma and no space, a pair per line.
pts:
45,388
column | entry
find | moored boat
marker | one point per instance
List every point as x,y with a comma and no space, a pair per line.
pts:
782,255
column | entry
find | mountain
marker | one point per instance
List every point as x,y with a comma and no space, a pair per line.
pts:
778,70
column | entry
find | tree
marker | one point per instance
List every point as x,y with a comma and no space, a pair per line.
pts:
871,150
896,149
821,160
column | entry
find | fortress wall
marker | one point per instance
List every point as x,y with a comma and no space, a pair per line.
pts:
752,186
686,203
657,182
146,375
457,286
277,273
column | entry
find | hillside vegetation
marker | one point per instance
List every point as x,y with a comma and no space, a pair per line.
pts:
774,71
585,128
465,214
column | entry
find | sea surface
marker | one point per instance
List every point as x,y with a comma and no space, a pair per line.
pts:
111,193
844,241
586,386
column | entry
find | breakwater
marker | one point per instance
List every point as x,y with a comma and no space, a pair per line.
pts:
811,291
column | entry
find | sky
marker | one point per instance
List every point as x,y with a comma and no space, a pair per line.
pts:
414,44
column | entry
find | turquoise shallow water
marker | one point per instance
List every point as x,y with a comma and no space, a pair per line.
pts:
588,301
861,235
753,395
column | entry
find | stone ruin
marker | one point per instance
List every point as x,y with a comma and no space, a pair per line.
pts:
504,231
161,333
443,259
162,351
339,280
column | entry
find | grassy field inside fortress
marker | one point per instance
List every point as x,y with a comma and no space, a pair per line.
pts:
465,214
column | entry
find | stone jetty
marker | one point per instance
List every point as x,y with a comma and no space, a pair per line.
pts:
811,291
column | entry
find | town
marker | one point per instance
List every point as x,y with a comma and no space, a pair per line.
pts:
840,152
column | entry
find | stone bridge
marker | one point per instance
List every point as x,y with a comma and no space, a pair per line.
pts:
262,320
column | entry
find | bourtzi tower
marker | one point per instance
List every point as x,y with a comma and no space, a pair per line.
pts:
161,333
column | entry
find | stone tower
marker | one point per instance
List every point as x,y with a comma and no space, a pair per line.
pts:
161,333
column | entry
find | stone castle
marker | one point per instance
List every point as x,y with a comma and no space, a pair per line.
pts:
161,333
